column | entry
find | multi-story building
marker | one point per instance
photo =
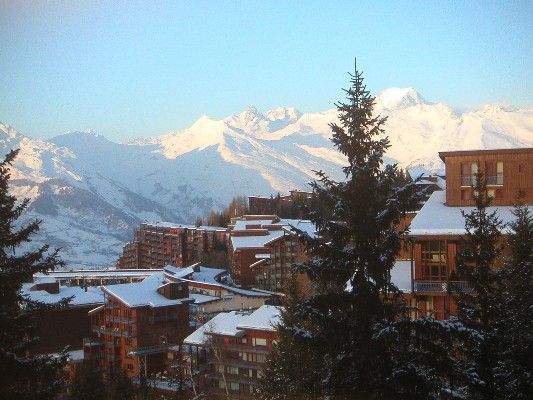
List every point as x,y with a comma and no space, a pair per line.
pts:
158,244
437,230
47,290
139,322
235,345
260,205
262,247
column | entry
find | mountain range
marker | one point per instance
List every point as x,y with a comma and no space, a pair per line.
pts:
91,192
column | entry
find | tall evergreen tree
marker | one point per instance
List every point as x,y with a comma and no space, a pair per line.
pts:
88,383
22,376
478,309
514,369
336,331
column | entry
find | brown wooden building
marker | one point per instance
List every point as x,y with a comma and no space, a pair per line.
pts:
236,345
138,322
437,231
51,324
262,248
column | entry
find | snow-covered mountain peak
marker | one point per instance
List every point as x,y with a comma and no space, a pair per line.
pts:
7,131
250,120
290,114
399,98
496,108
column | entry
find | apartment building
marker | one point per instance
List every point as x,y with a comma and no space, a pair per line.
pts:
439,227
261,205
158,244
262,248
138,323
48,290
229,351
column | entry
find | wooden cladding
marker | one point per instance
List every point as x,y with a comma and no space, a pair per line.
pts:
508,173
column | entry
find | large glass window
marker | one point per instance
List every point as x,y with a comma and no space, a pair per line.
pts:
494,172
468,173
434,266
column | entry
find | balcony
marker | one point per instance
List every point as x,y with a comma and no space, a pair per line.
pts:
114,332
122,320
468,180
442,286
495,180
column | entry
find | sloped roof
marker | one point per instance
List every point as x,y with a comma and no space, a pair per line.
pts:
143,293
80,297
435,218
232,324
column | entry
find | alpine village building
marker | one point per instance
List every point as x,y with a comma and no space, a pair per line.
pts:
438,228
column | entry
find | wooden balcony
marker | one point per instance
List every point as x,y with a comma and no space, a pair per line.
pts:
442,287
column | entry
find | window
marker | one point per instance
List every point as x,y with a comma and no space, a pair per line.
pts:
434,266
434,251
494,172
259,342
468,173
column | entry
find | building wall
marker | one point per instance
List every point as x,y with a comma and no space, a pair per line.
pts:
242,360
517,176
52,339
122,329
156,246
240,262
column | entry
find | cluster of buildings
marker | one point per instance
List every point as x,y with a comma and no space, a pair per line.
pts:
211,328
158,244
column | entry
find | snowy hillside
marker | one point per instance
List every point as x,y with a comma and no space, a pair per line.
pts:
91,192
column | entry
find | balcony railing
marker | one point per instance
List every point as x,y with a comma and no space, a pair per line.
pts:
113,332
491,180
495,180
123,320
442,286
468,180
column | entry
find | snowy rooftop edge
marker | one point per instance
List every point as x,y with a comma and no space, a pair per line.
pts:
436,218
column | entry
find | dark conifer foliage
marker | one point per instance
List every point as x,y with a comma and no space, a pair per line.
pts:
22,376
514,369
336,333
479,309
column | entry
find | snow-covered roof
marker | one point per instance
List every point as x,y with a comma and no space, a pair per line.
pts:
86,273
242,224
208,276
202,298
222,324
164,224
179,272
435,218
264,319
143,293
196,273
303,225
80,297
251,242
401,275
232,324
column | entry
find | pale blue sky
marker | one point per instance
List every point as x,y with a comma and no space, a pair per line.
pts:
141,68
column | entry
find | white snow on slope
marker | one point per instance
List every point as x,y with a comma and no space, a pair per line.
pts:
91,193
